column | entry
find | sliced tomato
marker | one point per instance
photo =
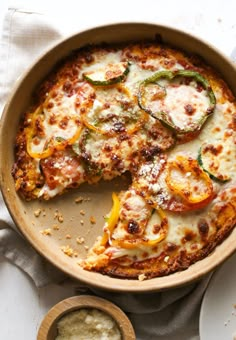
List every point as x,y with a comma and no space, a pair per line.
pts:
61,169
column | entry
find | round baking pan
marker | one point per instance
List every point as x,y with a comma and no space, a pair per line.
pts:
97,199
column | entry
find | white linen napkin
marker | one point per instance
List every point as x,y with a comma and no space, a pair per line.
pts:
166,315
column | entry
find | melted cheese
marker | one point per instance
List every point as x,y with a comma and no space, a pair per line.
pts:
59,121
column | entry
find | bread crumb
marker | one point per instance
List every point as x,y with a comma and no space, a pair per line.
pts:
82,222
79,199
82,212
142,277
55,227
58,216
92,220
60,219
86,247
47,232
68,236
67,250
37,212
80,240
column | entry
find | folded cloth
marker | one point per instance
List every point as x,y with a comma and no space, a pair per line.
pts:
168,315
25,35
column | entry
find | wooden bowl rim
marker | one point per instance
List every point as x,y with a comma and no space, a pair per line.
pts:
74,303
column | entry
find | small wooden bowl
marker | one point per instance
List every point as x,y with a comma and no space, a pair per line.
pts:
48,327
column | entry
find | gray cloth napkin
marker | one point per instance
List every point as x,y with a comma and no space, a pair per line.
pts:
165,315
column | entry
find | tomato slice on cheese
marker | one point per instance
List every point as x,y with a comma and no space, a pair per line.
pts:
61,170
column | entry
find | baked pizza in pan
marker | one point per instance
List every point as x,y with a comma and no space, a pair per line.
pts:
164,117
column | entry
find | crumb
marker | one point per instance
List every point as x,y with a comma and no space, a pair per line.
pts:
67,250
86,247
75,254
37,212
82,222
44,213
82,212
55,227
142,277
46,232
87,199
58,216
8,189
79,200
92,220
60,219
68,236
80,240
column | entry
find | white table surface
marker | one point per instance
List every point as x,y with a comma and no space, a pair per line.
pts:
215,21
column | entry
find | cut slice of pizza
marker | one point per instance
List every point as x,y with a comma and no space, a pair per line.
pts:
142,242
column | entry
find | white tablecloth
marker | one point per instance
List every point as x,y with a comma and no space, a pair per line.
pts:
29,30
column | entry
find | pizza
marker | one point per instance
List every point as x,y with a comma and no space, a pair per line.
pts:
165,118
